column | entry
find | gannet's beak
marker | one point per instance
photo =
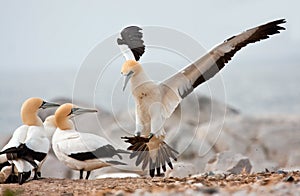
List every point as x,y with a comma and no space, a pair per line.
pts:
48,105
78,111
126,79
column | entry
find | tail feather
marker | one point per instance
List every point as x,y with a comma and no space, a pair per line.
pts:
10,150
140,149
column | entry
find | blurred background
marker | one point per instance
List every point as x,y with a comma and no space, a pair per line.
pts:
44,43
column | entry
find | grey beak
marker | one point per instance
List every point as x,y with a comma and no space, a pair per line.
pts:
126,79
78,111
48,105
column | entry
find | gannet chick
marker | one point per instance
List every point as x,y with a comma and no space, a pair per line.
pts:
28,143
155,102
81,151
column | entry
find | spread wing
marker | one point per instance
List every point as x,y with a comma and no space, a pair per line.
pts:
131,37
178,86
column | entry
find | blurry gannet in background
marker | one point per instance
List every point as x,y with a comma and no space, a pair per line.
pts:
81,151
155,102
28,145
50,126
49,129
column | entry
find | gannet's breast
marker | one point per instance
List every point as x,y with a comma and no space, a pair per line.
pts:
36,139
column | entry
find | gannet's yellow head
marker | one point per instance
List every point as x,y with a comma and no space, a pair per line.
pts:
29,110
65,112
129,68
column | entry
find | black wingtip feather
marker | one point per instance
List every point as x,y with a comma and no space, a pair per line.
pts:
151,168
262,32
132,37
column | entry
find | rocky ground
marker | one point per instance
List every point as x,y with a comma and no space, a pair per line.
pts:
231,148
266,183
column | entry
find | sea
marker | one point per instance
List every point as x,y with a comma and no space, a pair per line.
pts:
254,89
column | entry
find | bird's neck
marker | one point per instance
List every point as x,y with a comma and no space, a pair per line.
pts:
31,118
139,79
64,123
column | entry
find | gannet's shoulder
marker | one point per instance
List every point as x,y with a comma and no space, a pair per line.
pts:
62,135
35,132
72,142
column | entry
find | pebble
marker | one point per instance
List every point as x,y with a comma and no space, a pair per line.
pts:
289,179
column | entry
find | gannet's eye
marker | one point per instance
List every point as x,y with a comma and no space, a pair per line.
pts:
42,106
72,111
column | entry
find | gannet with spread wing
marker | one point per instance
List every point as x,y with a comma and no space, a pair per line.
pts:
157,101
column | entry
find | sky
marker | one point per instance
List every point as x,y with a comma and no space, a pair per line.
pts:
50,34
44,44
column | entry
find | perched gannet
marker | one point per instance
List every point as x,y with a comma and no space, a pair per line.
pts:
80,151
28,145
49,129
157,101
50,126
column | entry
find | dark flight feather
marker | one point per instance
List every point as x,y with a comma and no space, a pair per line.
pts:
132,37
107,151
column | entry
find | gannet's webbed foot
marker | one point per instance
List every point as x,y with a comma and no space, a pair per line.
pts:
37,174
139,148
23,176
151,151
135,140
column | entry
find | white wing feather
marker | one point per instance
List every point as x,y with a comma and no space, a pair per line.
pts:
75,142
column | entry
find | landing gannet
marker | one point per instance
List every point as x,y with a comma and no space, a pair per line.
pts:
26,146
80,151
156,102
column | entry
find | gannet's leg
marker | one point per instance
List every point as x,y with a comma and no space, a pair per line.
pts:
138,124
87,175
37,172
24,170
81,174
157,120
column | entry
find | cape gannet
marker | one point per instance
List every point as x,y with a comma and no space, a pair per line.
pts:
157,101
28,146
49,127
81,151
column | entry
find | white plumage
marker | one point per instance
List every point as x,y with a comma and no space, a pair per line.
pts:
29,144
80,151
157,101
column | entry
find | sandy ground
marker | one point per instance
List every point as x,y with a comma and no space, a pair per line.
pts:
272,183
